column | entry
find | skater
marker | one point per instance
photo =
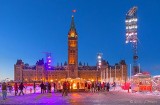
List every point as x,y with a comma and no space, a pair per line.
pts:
16,89
10,88
42,87
45,88
49,88
4,91
34,87
114,85
93,87
78,86
54,85
108,86
21,86
86,86
30,90
64,92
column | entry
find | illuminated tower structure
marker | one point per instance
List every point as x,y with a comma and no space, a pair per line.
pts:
72,51
131,35
48,61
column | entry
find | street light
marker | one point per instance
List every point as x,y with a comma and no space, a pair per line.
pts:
51,80
99,63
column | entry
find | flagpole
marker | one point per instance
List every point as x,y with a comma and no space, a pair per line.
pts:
139,67
122,73
130,71
115,72
107,74
110,75
103,75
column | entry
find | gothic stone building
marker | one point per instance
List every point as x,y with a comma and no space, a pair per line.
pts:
72,69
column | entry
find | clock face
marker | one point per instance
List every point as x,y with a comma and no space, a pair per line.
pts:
72,34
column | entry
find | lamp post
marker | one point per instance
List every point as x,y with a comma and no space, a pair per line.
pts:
132,36
107,75
130,72
110,75
99,63
139,68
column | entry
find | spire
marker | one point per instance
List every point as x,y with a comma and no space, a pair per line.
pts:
72,24
72,31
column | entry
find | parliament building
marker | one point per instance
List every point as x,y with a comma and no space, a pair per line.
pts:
71,69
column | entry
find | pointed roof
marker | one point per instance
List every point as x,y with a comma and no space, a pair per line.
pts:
72,27
72,24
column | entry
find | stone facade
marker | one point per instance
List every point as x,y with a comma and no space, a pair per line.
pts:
117,72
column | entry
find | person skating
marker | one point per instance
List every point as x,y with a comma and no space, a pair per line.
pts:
64,89
49,88
85,86
45,88
108,86
34,87
78,86
98,85
54,85
21,86
92,87
10,88
4,91
42,87
68,87
114,85
16,89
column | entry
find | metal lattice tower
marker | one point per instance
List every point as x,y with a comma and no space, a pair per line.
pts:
48,60
131,35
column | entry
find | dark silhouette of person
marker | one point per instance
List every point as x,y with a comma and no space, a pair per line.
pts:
16,88
21,86
42,87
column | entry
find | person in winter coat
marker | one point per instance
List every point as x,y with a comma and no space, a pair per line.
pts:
108,86
4,91
49,88
64,89
21,86
34,87
42,87
16,89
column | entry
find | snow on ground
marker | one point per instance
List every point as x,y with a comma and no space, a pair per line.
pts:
114,97
29,90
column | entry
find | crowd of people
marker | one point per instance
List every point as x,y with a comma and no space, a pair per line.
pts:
98,86
64,87
45,88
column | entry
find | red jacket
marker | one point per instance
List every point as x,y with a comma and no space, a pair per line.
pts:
15,87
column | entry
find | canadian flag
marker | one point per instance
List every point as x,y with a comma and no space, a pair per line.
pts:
74,11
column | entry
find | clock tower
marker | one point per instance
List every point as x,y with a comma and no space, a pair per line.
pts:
72,51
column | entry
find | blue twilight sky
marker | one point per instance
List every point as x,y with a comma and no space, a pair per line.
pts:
30,27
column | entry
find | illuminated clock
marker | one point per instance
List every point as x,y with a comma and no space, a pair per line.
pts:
72,34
